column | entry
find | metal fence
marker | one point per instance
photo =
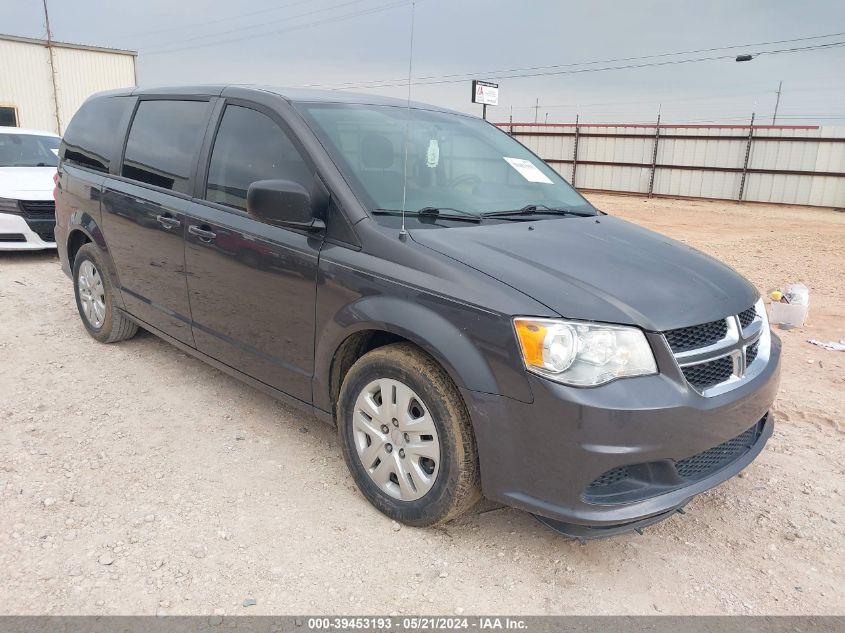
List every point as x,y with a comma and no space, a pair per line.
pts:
786,164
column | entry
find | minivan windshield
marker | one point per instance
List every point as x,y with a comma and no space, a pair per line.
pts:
28,150
455,163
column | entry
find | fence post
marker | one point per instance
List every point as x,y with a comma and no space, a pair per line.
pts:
747,156
575,152
654,157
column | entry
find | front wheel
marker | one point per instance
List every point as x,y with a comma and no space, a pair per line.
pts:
95,298
407,438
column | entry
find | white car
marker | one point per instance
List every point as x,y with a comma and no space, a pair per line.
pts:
28,160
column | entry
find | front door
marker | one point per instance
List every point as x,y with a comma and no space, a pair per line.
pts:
252,285
143,212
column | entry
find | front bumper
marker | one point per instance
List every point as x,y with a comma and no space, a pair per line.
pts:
545,457
16,234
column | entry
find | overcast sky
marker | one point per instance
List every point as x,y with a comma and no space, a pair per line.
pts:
330,42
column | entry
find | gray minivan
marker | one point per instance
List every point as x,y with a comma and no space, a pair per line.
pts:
415,276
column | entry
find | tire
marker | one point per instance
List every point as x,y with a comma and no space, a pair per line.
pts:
432,414
95,298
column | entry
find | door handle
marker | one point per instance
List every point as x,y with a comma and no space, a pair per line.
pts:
168,221
205,234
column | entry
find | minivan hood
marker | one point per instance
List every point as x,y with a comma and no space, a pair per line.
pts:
27,183
600,269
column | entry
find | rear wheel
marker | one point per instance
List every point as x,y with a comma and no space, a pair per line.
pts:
94,298
407,438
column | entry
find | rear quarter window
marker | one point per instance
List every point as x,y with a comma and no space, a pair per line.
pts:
163,141
90,139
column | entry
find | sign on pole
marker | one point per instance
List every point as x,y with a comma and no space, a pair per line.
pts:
485,92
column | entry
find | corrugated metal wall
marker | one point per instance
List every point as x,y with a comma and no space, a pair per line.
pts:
25,84
81,73
786,164
25,80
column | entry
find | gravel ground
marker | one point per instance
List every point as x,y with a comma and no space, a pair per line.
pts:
135,479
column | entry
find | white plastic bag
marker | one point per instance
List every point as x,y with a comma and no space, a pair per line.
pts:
797,294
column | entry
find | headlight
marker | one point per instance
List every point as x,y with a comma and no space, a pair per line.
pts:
583,354
9,206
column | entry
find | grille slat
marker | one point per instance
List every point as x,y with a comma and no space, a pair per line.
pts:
38,209
751,353
695,336
709,374
747,316
610,477
702,464
609,485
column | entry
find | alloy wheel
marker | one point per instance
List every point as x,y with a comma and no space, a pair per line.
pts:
92,294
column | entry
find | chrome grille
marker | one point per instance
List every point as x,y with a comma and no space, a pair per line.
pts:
719,355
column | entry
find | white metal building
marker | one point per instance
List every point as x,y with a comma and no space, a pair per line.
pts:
41,86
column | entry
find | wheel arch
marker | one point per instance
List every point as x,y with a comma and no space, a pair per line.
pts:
75,239
83,228
375,321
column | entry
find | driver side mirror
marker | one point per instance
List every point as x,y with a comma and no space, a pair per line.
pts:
284,203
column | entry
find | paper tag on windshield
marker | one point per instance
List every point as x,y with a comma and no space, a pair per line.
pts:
432,156
528,170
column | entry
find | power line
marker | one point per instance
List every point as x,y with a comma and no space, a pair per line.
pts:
193,25
297,27
592,70
709,98
255,26
466,75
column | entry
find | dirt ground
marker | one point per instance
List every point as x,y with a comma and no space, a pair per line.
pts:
135,479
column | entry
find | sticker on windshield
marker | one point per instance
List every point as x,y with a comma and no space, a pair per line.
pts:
528,170
432,156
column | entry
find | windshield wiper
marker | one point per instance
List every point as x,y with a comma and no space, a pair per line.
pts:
537,209
434,213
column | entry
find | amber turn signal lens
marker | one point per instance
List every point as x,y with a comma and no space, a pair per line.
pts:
531,336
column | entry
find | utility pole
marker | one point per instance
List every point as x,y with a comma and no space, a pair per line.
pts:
777,103
747,157
654,154
52,67
547,117
536,110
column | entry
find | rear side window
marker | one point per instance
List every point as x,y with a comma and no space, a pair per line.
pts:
89,140
250,147
163,140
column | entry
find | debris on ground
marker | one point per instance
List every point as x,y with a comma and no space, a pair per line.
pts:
831,346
